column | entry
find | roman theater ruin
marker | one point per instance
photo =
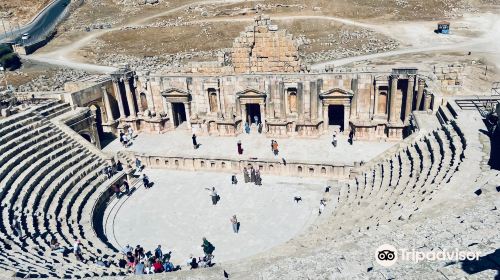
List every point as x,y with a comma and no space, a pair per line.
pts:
395,155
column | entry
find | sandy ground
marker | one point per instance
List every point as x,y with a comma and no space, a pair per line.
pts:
177,212
178,143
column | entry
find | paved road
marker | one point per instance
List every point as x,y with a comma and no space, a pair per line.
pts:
41,24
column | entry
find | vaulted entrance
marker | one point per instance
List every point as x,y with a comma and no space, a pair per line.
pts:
336,116
178,113
253,113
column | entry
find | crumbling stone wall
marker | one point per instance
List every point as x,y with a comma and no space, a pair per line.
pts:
263,47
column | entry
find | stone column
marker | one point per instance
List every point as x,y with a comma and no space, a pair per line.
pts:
312,100
118,94
420,94
262,107
392,99
300,101
244,114
325,117
130,98
149,96
281,93
353,106
187,108
107,105
427,101
409,97
347,111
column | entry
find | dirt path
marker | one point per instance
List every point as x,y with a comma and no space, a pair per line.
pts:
415,37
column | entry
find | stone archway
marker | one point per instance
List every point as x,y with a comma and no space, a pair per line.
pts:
336,101
252,104
177,105
87,136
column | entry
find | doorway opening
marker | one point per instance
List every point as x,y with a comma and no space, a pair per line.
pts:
178,113
336,116
253,113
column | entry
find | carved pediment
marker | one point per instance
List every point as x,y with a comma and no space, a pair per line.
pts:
251,93
336,93
177,95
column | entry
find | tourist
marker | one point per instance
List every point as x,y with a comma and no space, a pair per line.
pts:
234,181
259,128
214,196
17,226
77,250
56,247
116,190
130,133
158,252
234,223
124,140
192,262
272,145
321,206
195,143
157,266
247,128
256,120
351,137
284,161
122,263
208,248
127,249
252,174
131,260
275,148
138,164
258,179
139,268
168,266
100,262
240,149
167,256
126,186
334,141
119,166
245,175
145,181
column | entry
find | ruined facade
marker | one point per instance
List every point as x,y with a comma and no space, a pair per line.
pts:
263,83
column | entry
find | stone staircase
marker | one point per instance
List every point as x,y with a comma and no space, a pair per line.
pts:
49,184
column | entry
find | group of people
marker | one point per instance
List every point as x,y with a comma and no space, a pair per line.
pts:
138,261
126,137
350,140
257,122
117,187
252,175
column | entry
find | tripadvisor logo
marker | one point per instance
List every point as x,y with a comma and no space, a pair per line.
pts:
387,255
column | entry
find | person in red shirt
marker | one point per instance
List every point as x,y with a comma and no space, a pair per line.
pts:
157,266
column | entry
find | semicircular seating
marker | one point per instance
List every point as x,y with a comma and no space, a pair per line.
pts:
52,186
47,181
396,187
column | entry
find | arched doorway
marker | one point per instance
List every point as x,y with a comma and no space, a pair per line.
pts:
87,137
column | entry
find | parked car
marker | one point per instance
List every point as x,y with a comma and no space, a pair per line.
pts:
25,36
